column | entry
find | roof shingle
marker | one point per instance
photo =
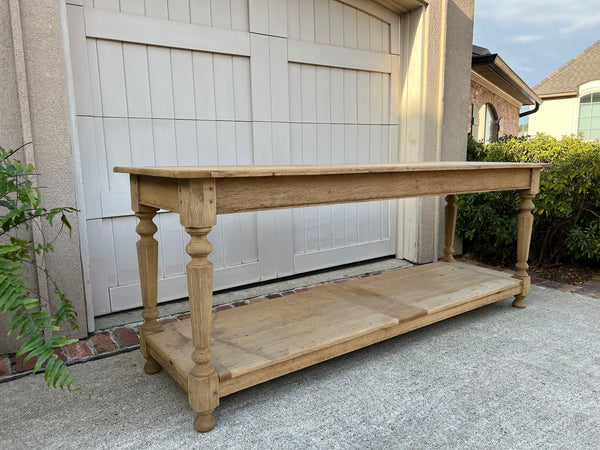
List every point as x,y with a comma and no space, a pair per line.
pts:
581,69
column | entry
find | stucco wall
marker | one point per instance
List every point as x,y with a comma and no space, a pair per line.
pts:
480,95
555,117
10,123
34,109
448,68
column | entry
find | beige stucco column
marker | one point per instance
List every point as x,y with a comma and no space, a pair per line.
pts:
33,95
437,42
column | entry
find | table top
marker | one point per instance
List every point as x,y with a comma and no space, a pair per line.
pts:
317,169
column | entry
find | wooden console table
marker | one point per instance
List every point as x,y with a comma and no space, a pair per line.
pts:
215,354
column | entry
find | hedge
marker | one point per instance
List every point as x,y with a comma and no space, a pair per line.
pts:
567,212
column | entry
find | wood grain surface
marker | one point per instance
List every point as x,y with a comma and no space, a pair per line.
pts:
271,338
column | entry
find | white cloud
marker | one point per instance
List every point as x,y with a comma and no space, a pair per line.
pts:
526,38
552,14
523,69
584,22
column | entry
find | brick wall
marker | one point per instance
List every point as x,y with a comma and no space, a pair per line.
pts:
480,96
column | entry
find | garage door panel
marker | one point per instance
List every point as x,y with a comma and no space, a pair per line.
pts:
161,83
110,5
269,73
116,141
163,132
274,144
92,57
243,136
112,78
220,13
333,95
341,23
99,266
230,14
325,228
206,135
160,31
132,6
183,83
278,72
338,225
336,23
204,92
231,240
179,11
171,244
223,73
200,12
137,82
320,228
295,94
89,166
186,142
156,8
123,231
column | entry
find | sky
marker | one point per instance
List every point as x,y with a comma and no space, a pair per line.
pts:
536,37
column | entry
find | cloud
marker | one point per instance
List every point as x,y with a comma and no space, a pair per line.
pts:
550,14
523,69
584,22
526,38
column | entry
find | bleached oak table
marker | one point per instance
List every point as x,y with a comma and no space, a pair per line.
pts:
215,354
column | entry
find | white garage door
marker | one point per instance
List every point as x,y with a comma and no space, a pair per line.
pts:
187,82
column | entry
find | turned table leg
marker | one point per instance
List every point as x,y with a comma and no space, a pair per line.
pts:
450,227
203,382
147,253
198,215
524,228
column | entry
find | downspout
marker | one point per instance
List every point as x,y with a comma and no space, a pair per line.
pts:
531,111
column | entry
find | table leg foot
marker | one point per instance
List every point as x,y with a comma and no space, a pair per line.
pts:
204,422
519,301
152,366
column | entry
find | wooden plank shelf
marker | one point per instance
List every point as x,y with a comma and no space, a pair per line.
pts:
261,341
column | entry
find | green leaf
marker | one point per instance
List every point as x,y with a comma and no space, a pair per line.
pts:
21,201
34,342
66,223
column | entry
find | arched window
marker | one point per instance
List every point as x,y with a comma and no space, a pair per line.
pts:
589,116
487,130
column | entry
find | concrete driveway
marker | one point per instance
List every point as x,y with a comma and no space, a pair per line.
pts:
496,377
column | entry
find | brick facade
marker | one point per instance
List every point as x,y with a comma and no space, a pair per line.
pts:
481,95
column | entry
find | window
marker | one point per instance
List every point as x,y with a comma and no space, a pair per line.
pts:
589,116
487,130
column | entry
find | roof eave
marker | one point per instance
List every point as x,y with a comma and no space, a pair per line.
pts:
555,95
402,6
494,69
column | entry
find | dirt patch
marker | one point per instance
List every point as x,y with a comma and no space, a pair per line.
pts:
573,274
567,274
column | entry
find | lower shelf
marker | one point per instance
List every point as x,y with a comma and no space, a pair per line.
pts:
262,341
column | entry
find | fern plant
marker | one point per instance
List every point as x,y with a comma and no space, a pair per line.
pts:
34,320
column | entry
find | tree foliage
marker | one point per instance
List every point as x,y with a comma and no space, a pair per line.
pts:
34,320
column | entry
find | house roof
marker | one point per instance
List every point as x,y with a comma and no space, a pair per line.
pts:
566,80
493,68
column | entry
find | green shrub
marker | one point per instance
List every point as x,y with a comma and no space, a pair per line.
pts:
567,212
34,320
